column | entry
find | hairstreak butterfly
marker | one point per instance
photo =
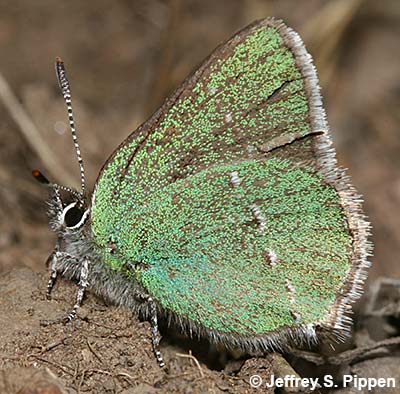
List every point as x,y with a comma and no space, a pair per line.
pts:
225,211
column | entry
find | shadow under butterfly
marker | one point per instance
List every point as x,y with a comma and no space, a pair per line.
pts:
225,211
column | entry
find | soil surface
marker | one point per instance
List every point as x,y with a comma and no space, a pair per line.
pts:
123,58
107,350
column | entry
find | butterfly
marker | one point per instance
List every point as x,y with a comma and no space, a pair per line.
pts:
225,211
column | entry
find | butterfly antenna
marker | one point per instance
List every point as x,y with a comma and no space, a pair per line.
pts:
66,92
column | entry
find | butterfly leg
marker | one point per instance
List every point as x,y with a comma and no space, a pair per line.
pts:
52,261
155,334
53,274
56,259
83,284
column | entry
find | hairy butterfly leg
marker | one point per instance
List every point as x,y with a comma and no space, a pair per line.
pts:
53,273
52,262
155,334
83,284
53,259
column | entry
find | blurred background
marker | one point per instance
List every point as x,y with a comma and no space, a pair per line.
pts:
124,57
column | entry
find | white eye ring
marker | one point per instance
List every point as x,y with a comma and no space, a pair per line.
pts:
80,223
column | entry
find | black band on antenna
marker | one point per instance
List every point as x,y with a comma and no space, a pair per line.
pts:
66,92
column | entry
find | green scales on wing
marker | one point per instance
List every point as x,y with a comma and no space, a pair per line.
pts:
218,205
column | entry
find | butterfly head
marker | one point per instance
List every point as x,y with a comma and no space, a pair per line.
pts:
67,208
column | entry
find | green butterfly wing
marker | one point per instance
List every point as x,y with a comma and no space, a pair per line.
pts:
227,207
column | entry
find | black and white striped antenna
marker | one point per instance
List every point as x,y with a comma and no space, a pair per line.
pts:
66,92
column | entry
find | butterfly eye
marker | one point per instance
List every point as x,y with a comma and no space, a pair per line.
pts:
73,216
